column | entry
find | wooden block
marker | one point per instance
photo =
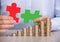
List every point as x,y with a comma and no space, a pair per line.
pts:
36,30
19,33
42,28
22,32
25,33
45,27
14,35
39,28
30,30
48,26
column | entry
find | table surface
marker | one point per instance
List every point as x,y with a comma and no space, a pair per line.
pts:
55,37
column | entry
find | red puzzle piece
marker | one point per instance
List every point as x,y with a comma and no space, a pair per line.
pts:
13,9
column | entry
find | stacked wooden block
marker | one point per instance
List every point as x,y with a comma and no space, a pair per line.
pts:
42,29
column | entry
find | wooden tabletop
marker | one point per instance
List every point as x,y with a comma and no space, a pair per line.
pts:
55,37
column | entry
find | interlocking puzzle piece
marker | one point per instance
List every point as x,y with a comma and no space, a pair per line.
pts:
13,9
29,16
